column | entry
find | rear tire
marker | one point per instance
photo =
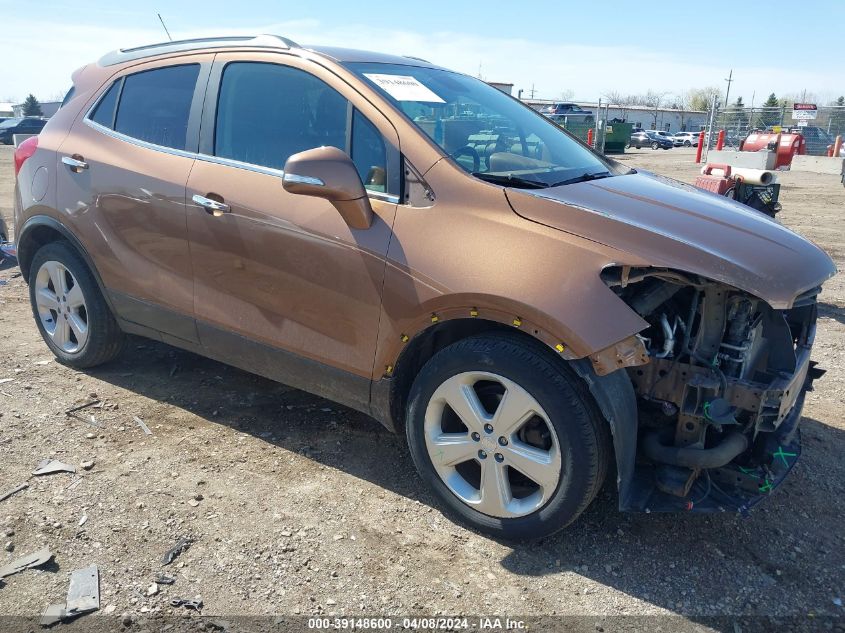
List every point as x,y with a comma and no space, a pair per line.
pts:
542,458
69,309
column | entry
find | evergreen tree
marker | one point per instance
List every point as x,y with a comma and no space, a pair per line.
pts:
31,107
771,115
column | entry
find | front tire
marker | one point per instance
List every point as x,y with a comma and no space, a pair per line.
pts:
655,145
69,308
507,436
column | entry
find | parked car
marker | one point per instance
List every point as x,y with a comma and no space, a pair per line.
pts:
645,138
526,311
685,139
569,110
19,125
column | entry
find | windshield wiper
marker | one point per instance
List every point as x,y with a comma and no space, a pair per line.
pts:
510,180
583,178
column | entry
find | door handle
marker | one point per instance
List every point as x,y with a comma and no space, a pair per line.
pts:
76,164
213,207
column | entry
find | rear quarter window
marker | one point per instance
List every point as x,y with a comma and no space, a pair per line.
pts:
155,105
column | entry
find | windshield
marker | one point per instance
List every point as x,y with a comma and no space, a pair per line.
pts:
10,122
488,133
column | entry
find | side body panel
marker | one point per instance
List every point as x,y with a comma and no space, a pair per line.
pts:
469,255
128,208
284,269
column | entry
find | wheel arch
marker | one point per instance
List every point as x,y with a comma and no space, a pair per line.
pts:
42,229
613,393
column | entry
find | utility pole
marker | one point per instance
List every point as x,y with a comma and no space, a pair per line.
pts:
532,91
728,91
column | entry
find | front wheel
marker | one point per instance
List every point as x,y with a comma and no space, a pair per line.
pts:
655,145
507,436
69,308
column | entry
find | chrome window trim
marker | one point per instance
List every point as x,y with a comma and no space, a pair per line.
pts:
226,162
136,141
386,197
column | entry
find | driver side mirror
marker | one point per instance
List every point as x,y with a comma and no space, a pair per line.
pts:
327,172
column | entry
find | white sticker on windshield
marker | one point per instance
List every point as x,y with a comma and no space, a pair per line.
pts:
403,88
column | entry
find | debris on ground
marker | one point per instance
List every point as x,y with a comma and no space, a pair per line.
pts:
83,520
143,426
152,590
171,554
13,491
3,381
29,561
83,596
51,466
196,605
87,465
161,579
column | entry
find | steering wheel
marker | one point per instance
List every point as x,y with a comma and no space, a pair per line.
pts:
468,151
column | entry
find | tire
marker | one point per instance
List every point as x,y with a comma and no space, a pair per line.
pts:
687,144
101,339
639,147
568,434
655,145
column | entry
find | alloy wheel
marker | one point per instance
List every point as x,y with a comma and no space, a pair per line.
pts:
492,444
61,307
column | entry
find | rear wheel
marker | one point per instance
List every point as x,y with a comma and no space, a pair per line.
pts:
508,438
69,309
687,144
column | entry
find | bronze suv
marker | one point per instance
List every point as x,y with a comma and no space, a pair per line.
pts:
415,244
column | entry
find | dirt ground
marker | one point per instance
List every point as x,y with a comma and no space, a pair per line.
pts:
298,506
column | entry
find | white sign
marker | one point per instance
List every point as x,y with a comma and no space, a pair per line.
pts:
403,88
802,123
803,115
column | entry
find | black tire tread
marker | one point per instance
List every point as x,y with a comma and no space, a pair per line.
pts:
105,339
543,362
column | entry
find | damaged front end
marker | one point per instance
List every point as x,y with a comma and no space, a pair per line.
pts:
720,399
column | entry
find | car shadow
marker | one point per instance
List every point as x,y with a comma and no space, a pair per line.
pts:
831,311
692,564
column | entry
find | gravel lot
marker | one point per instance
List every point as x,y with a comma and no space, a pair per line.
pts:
298,506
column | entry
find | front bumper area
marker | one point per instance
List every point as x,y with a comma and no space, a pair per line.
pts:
732,488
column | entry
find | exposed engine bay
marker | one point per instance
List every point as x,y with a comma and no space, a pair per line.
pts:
720,399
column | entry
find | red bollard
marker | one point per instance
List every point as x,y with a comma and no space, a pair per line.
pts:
590,137
829,151
700,146
837,146
720,140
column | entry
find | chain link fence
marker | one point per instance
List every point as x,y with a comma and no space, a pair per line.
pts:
737,123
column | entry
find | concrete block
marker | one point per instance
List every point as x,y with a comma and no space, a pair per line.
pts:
748,160
819,164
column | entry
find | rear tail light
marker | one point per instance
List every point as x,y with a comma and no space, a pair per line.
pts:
24,151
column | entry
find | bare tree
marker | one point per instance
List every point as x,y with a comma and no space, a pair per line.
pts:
566,95
702,98
653,100
622,101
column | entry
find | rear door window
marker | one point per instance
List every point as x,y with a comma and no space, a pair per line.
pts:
155,105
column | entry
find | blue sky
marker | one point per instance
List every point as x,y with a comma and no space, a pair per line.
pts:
561,48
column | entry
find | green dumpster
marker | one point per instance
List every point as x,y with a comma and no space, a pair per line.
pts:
616,137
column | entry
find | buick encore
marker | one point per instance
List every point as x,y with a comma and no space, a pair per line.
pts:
417,245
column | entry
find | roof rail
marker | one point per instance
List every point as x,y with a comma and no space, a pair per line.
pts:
140,52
